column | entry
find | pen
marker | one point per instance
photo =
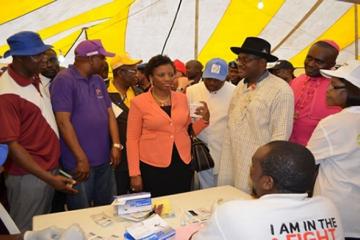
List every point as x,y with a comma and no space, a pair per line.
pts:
65,174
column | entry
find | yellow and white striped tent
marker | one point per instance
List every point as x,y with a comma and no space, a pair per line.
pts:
141,26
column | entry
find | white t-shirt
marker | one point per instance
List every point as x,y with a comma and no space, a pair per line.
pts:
335,144
218,104
274,217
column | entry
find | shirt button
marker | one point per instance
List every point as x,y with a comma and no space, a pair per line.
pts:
171,124
171,136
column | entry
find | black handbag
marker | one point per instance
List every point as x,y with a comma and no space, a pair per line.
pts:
200,155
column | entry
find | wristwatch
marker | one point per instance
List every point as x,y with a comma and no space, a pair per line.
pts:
118,145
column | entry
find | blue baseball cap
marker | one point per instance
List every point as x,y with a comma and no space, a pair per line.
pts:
216,68
25,43
3,153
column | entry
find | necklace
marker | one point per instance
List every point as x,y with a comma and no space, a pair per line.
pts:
162,102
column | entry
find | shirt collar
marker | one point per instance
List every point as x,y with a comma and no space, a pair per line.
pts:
24,81
75,72
320,78
21,80
300,196
353,109
264,75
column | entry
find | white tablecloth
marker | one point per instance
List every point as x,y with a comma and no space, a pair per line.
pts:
179,203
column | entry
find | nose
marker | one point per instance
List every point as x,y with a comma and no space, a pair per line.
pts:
311,63
168,77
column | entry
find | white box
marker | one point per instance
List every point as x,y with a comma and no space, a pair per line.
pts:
132,203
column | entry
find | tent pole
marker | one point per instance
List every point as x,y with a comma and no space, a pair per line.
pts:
196,29
86,34
356,33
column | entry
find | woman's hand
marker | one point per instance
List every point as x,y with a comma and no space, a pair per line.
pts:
203,111
136,183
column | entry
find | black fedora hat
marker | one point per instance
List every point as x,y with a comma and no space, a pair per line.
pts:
256,46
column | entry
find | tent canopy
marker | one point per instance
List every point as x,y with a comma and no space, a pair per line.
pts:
140,27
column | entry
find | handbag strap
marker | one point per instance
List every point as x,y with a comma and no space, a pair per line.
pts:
191,132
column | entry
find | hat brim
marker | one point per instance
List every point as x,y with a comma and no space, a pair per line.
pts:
340,74
213,76
107,54
268,57
129,63
333,73
28,52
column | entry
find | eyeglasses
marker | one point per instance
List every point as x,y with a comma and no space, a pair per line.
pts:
52,60
132,71
37,58
246,60
336,87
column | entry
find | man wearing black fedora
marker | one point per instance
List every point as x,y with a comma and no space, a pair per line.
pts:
261,111
29,129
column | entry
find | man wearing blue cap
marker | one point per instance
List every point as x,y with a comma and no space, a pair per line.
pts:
29,129
217,93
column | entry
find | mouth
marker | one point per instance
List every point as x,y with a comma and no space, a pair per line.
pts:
168,85
311,70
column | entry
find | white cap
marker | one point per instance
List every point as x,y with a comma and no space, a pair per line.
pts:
350,71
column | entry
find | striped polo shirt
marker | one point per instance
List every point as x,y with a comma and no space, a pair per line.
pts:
26,116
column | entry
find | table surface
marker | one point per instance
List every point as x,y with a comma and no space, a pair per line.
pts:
205,198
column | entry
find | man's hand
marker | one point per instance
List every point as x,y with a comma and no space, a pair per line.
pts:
136,183
63,184
115,156
82,170
203,111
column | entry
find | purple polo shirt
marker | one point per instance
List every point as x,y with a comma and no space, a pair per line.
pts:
87,100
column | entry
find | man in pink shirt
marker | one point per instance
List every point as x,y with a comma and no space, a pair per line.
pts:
310,91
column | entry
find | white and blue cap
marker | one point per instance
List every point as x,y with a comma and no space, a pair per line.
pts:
216,68
3,153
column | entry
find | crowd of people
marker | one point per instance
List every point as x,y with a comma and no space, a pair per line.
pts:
73,138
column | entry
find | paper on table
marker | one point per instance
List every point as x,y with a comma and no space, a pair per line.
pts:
186,231
117,111
150,228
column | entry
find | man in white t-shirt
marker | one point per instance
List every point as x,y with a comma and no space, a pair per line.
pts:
282,173
217,93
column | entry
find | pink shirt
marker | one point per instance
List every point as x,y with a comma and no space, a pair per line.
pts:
310,106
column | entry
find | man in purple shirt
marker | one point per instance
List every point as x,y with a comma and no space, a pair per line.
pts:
87,125
310,91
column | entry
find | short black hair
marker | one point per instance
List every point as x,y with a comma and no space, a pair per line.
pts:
196,63
353,93
155,62
291,165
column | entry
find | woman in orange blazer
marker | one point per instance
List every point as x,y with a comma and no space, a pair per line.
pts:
158,143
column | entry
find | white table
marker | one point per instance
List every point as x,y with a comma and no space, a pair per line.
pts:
179,203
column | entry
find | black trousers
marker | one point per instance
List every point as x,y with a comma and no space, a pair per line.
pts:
122,181
173,179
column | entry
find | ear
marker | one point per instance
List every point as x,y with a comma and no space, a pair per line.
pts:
263,62
267,183
117,72
344,95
